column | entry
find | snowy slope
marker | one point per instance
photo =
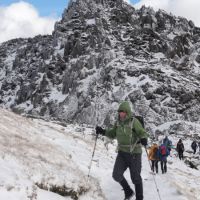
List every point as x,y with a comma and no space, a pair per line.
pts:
35,153
106,50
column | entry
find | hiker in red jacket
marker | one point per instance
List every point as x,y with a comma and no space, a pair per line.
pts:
163,153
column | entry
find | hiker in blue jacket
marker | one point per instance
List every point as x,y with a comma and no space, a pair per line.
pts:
163,153
168,143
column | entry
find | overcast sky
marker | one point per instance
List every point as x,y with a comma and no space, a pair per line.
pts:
32,17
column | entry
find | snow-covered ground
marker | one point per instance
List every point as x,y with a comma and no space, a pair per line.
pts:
35,153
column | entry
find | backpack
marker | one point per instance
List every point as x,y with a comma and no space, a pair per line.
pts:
140,119
181,147
163,150
194,145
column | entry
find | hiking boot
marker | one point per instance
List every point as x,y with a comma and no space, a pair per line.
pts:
128,194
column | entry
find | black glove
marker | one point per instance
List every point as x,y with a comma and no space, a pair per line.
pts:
143,141
100,131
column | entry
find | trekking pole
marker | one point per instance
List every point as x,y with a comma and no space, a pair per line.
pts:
150,163
96,109
92,155
153,175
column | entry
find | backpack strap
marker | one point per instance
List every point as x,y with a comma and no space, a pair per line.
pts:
132,145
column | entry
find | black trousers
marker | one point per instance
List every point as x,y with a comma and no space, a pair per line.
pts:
194,150
163,166
134,163
180,155
154,165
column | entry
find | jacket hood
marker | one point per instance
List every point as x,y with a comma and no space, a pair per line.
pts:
125,106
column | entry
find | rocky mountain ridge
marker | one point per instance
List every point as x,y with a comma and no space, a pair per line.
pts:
103,52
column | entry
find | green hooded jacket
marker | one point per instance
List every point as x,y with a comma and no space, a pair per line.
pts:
127,137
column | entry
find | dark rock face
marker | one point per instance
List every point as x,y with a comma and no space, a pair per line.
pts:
100,53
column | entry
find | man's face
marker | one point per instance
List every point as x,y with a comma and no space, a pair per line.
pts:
122,115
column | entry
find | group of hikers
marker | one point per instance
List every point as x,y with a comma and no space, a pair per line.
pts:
159,153
131,136
180,147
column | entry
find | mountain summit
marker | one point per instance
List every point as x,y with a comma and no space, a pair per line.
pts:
103,52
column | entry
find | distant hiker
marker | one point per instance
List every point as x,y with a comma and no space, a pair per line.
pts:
163,153
154,157
194,146
130,136
199,146
168,143
180,149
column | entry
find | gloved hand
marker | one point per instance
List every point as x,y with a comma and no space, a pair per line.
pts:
143,141
100,131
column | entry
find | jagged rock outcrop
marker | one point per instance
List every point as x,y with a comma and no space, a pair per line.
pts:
102,52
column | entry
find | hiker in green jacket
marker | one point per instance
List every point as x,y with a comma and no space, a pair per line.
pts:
130,135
